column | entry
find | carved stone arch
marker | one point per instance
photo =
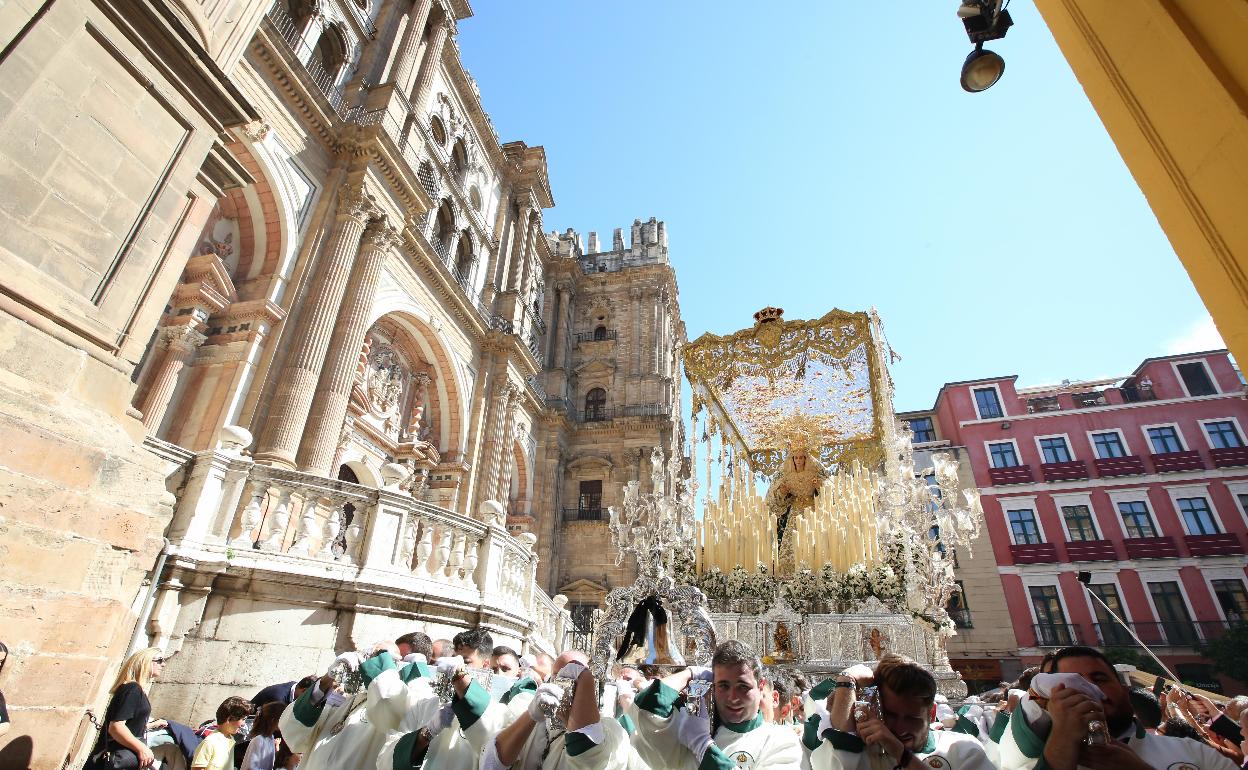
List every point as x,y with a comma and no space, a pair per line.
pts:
448,390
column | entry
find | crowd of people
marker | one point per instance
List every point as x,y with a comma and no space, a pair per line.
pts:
416,703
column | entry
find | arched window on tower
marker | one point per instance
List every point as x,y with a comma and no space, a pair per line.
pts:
459,159
443,227
600,333
596,405
463,260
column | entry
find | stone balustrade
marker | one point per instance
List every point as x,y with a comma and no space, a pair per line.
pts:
261,518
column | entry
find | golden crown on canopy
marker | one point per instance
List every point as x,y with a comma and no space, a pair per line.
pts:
769,314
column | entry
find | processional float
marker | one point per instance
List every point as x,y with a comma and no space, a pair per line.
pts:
819,543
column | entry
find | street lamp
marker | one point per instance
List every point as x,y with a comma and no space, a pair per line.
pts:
983,20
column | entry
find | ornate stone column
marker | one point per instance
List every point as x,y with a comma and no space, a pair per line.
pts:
429,62
329,407
504,410
559,322
179,343
296,384
409,46
519,240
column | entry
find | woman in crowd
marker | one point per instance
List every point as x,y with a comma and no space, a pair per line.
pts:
262,748
126,718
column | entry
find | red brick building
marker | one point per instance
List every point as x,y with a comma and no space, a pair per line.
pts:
1142,481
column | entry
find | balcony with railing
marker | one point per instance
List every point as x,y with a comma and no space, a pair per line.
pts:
1011,474
1034,553
1172,462
598,335
584,514
1151,548
1091,550
1222,544
1229,457
324,81
1073,470
608,413
265,524
1130,465
1056,634
1186,633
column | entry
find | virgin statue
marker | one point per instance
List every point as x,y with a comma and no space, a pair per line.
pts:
794,490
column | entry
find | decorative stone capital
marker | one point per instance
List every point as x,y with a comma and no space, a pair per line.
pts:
353,203
256,130
182,338
492,512
381,236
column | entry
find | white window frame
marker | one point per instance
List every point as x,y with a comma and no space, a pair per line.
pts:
1121,437
1233,420
1165,576
1221,573
1005,415
1139,494
1194,490
1076,498
1148,442
1041,581
1017,452
1237,488
1070,447
1174,366
1100,577
1019,503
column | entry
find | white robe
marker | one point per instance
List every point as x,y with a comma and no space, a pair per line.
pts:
1022,745
348,736
944,750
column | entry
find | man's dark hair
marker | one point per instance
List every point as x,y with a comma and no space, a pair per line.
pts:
781,683
1145,705
732,652
503,649
1049,663
475,638
800,683
1079,651
305,683
419,643
1177,728
1024,680
650,671
232,708
902,676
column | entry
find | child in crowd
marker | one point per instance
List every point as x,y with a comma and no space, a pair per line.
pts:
216,752
262,748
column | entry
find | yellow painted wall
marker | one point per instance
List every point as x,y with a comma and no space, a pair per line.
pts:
1169,79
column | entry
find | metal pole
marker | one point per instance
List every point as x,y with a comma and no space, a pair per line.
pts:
1143,646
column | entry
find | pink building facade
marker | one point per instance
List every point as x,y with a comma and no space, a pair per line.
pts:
1142,481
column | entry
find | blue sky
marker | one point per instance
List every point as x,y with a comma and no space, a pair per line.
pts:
821,154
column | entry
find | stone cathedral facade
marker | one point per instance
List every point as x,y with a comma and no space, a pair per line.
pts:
288,362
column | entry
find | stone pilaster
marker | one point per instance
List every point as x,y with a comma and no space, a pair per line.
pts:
409,45
179,343
504,409
559,326
329,408
429,63
519,241
296,384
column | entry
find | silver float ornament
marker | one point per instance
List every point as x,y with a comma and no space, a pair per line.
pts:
346,680
695,696
1097,734
552,711
444,684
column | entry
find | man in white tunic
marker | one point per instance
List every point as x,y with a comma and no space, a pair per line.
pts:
529,742
334,731
1053,735
668,739
895,732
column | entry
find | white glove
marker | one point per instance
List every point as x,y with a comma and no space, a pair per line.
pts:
547,696
571,670
441,720
449,665
415,657
694,733
624,693
527,662
701,672
1043,684
351,658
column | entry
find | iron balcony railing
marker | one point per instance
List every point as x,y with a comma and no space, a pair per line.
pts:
1056,634
596,336
1186,633
605,413
325,81
584,514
